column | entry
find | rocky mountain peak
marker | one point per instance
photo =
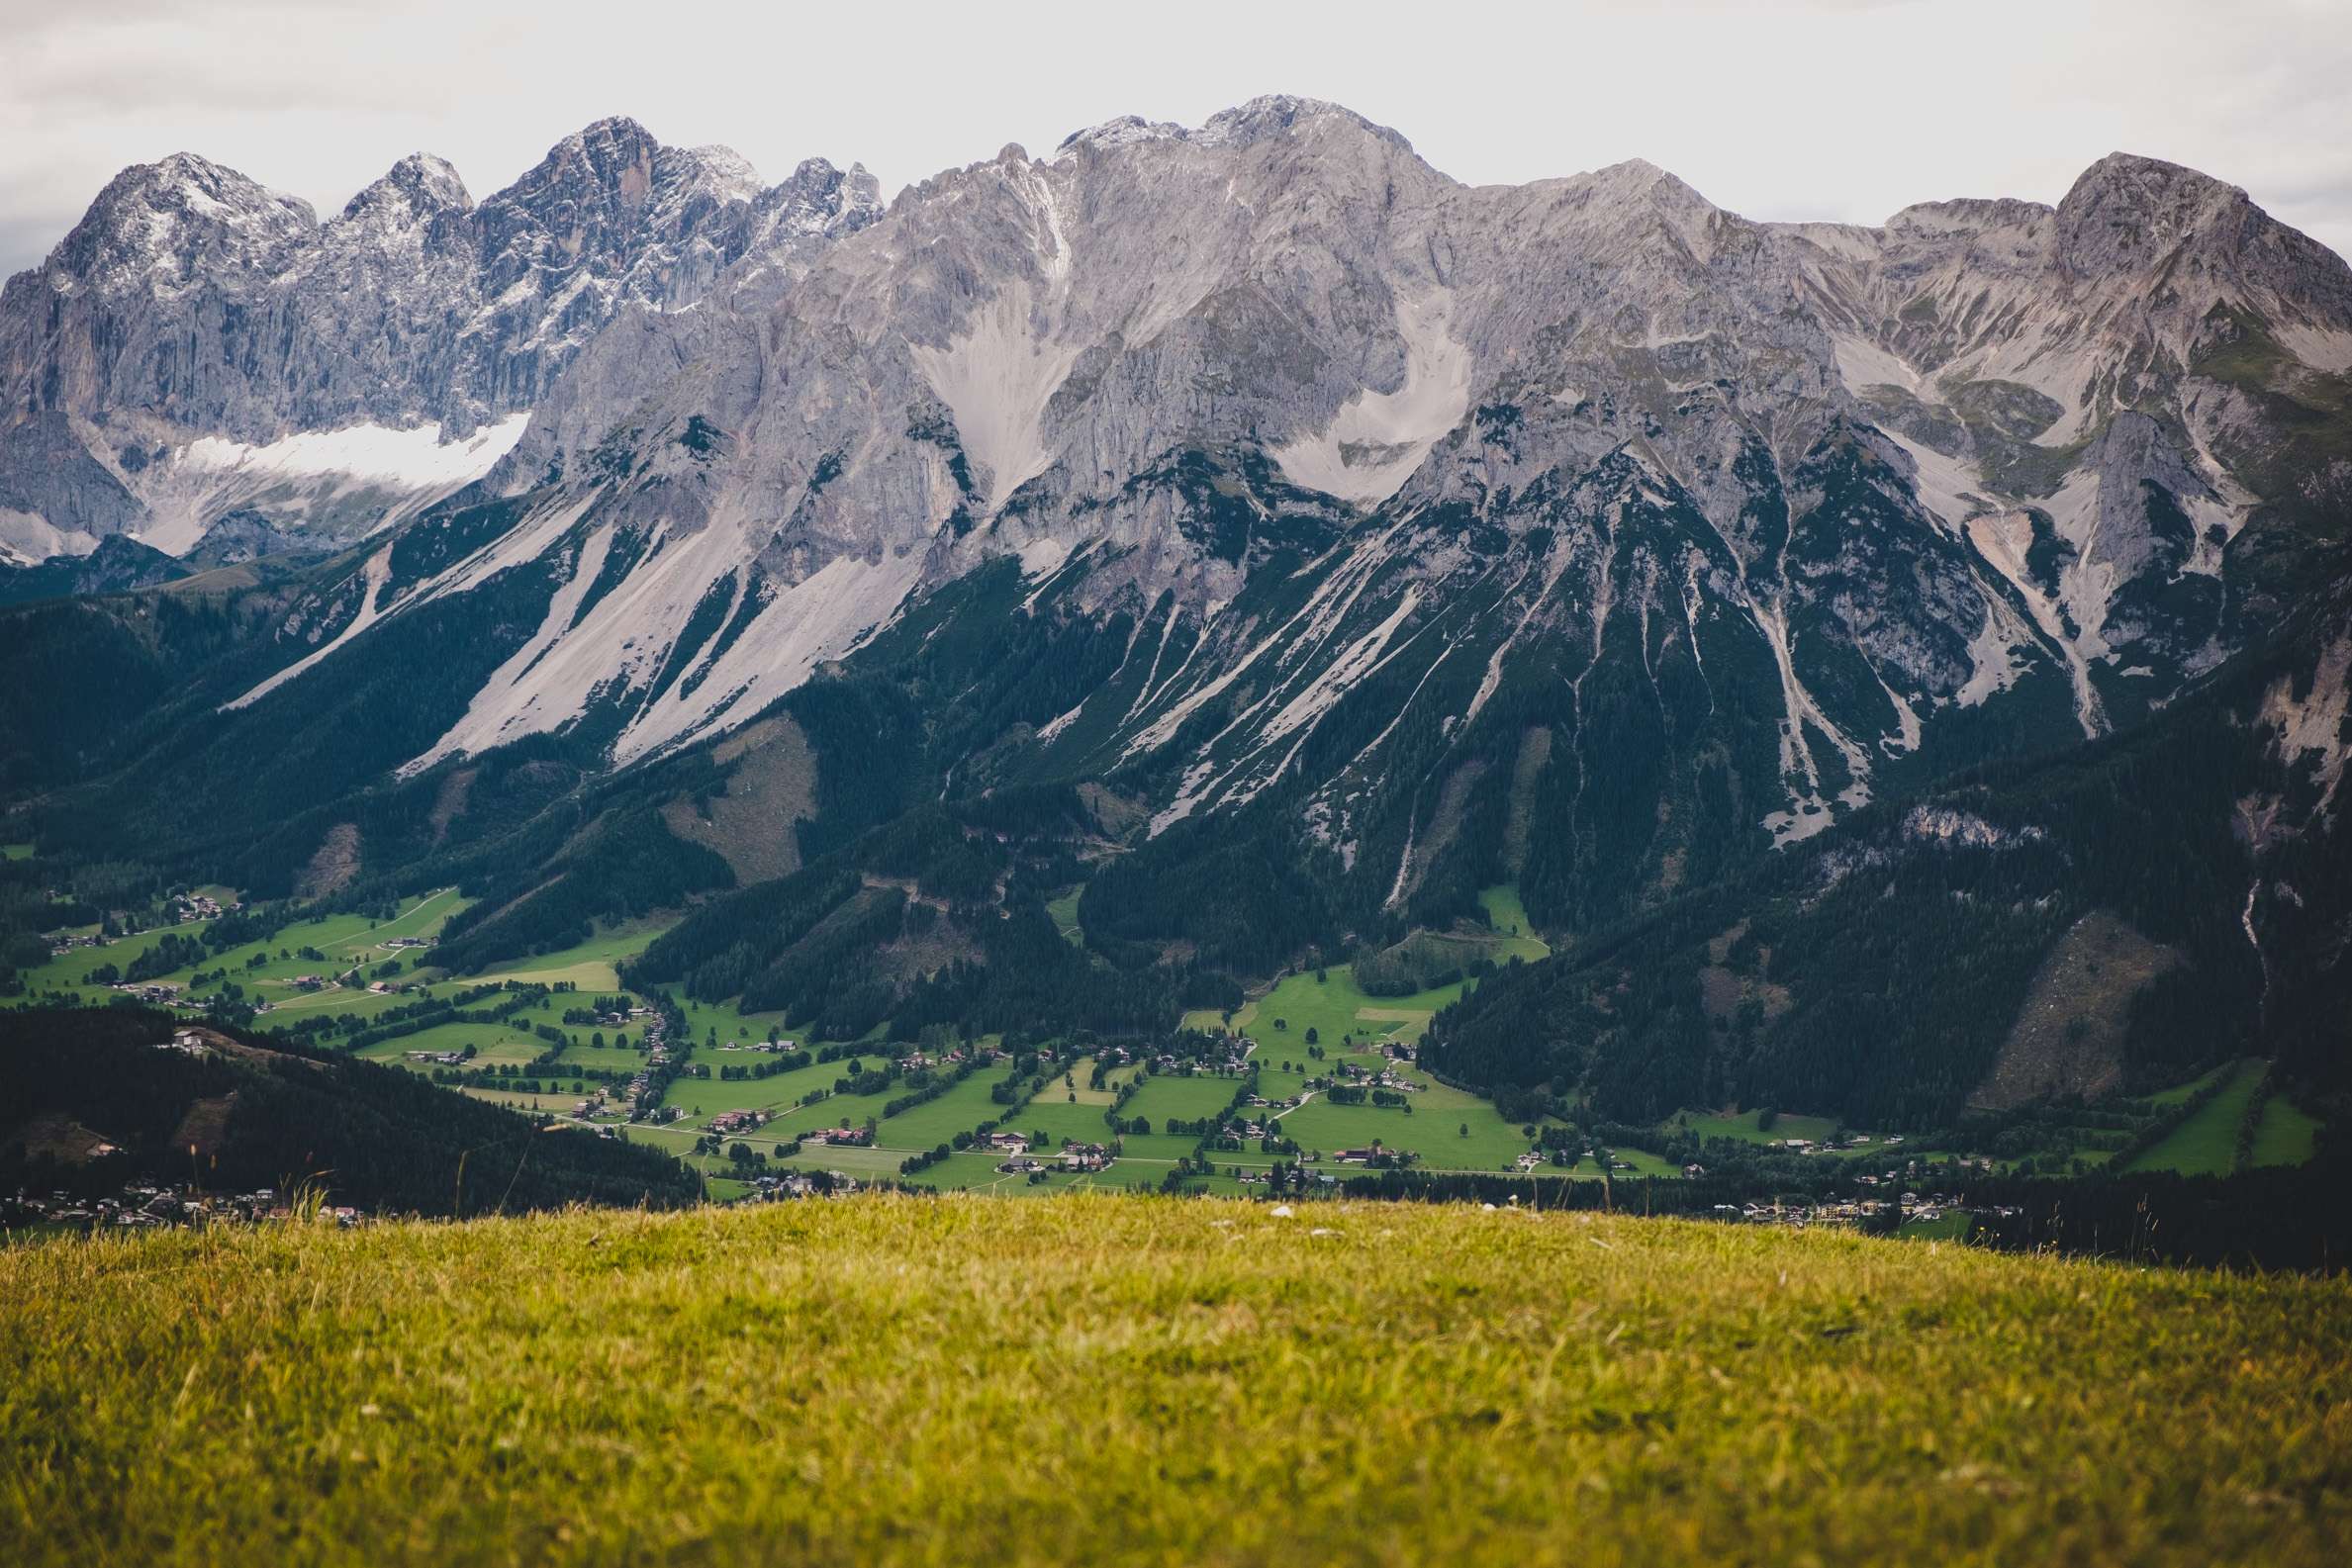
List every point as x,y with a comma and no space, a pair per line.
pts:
171,220
2199,241
1277,114
616,138
219,321
2125,213
625,163
814,199
1640,182
1246,124
725,168
1124,131
418,188
611,216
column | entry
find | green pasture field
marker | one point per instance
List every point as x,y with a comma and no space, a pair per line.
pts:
589,965
2286,1134
1065,1123
1742,1126
1063,911
961,1109
1517,934
1186,1099
2206,1144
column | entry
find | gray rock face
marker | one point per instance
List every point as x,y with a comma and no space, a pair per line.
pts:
192,303
1375,476
1961,460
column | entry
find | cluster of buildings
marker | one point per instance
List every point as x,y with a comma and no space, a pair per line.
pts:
143,1205
953,1057
1909,1208
1235,1059
1388,1077
1538,1159
198,906
657,1057
1073,1158
1831,1145
802,1184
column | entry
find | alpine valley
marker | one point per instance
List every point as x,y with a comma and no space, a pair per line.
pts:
1654,665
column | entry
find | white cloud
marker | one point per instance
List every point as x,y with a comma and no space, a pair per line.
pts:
1830,110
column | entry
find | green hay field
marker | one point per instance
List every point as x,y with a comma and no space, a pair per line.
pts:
2206,1144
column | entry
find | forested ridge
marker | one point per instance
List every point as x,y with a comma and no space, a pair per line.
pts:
373,1136
1876,971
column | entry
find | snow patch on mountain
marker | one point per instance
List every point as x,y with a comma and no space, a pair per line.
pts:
413,459
393,473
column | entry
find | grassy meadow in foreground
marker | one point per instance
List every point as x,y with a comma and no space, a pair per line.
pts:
1136,1380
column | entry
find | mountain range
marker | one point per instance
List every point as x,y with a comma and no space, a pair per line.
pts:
1839,635
201,348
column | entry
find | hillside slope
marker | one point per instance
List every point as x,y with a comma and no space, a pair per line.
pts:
232,1114
1879,970
1120,1381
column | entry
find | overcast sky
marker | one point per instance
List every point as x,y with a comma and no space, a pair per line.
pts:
1836,109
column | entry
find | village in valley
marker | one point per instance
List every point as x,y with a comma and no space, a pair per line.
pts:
1306,1087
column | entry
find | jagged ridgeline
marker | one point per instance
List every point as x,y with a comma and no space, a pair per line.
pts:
1096,583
